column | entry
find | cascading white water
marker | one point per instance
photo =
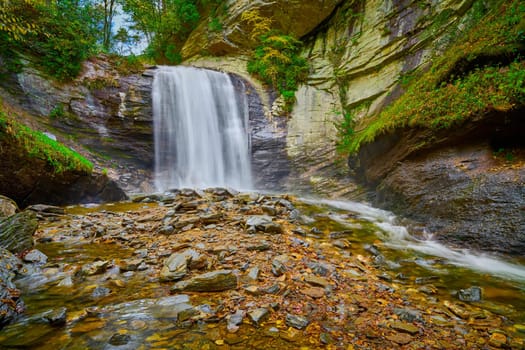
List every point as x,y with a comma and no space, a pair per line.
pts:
200,123
397,237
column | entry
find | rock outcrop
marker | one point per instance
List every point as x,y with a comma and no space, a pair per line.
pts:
103,110
31,180
297,17
459,188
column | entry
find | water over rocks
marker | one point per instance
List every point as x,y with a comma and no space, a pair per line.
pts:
244,287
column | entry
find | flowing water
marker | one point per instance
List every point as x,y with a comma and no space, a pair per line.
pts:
200,123
143,311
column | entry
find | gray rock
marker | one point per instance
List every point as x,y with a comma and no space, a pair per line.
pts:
213,218
100,292
342,243
215,281
372,249
300,231
320,269
56,317
294,215
273,289
10,302
259,246
94,268
258,315
278,265
296,321
269,210
340,234
46,210
175,267
472,294
253,273
235,320
66,282
35,256
286,203
130,265
167,230
409,315
263,223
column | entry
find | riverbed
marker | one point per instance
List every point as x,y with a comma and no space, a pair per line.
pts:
290,273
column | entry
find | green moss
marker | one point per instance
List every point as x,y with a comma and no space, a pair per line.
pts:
38,145
481,72
277,62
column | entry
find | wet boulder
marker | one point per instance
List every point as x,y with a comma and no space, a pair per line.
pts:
16,231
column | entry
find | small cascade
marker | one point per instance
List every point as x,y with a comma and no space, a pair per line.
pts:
201,136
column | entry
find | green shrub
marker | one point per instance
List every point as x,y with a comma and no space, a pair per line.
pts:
57,112
58,35
277,62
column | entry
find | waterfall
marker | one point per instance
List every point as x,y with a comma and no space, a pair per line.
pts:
200,125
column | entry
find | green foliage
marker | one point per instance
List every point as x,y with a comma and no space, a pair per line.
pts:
215,25
57,112
167,24
38,145
277,62
172,54
345,131
59,35
130,64
449,94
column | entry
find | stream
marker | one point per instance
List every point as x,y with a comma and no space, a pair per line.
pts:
365,265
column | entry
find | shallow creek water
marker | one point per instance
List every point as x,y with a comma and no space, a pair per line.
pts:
142,314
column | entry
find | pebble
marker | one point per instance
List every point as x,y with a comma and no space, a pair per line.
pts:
235,320
314,292
258,315
253,273
278,268
316,281
400,338
118,339
296,321
100,292
472,294
404,327
498,340
57,317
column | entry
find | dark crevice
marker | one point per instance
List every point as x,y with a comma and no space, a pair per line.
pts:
466,65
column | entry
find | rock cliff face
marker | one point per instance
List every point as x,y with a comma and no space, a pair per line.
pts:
101,110
359,53
297,17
